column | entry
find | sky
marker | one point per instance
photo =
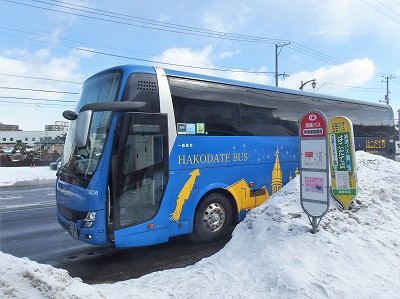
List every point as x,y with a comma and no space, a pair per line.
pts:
48,48
272,253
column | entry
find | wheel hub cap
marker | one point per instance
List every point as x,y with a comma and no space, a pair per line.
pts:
214,217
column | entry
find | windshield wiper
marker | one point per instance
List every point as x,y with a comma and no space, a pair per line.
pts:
70,173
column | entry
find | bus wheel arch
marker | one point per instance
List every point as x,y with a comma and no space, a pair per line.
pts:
214,216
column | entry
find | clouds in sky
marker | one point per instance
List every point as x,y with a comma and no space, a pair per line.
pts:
19,64
355,34
353,73
226,18
206,59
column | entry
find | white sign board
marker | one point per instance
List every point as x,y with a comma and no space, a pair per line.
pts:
314,166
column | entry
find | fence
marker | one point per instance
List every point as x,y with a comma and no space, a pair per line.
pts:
24,163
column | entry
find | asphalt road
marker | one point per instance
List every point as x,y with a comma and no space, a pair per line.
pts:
29,228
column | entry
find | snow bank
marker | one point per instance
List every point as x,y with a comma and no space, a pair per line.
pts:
272,253
22,278
23,176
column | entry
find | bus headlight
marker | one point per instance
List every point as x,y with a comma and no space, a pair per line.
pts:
89,220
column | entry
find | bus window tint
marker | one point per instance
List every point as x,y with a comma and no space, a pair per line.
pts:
266,113
215,105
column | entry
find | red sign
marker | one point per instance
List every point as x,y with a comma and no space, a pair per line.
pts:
313,125
308,154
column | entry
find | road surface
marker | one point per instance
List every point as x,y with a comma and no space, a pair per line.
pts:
29,228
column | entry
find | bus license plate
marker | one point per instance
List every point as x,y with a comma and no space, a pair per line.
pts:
73,231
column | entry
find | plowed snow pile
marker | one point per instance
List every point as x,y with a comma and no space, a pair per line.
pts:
355,254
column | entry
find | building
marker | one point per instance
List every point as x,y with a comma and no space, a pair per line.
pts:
48,146
58,126
10,138
4,127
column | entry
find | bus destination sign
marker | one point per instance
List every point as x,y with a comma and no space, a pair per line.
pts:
313,125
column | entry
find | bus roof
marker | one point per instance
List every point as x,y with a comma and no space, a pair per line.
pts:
181,74
245,84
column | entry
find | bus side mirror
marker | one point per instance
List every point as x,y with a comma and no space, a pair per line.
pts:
82,128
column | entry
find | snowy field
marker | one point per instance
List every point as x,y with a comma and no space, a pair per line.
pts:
25,176
272,254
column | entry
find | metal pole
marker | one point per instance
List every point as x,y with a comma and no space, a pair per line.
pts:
314,225
277,46
387,78
276,65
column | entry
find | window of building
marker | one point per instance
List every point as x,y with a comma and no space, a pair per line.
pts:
33,139
26,138
11,139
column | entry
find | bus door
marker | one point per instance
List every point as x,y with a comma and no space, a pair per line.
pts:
139,178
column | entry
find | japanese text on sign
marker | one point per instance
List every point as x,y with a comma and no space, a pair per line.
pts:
343,176
312,125
340,151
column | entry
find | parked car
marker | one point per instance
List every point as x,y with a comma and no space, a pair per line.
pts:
54,165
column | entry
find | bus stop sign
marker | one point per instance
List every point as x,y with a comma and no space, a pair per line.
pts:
314,166
342,160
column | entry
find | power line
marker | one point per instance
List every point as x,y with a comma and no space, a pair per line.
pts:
39,78
357,88
30,104
325,58
214,34
68,40
173,64
35,99
139,59
396,81
377,9
114,17
38,90
395,2
297,47
161,26
140,23
387,7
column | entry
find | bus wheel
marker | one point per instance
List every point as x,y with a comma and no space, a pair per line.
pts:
213,218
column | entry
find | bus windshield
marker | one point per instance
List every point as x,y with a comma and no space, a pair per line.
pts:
80,164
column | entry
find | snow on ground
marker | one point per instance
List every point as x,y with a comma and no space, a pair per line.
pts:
19,176
22,278
272,254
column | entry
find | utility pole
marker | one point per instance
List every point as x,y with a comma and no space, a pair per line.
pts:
387,78
278,49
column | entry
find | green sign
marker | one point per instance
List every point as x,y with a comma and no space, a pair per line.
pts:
342,160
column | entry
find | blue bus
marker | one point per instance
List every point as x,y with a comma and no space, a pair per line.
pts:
153,153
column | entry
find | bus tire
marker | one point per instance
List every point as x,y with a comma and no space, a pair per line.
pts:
213,218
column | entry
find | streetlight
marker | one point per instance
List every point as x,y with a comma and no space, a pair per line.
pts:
313,84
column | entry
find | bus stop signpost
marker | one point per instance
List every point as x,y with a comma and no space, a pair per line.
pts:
342,160
314,166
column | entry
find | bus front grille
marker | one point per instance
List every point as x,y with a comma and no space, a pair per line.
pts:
70,215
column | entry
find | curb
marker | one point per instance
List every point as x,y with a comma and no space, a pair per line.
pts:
31,183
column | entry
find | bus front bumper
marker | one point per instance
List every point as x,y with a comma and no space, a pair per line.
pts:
92,235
